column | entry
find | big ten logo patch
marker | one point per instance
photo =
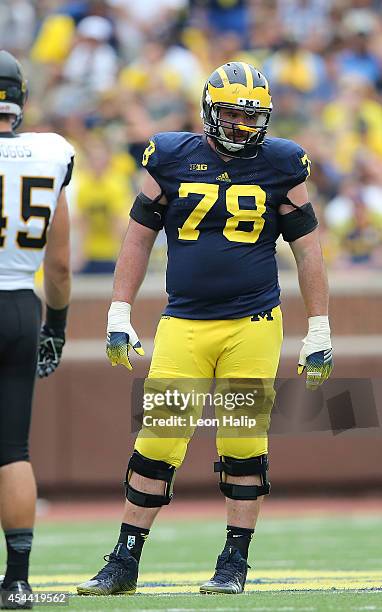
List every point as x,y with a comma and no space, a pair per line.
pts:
199,167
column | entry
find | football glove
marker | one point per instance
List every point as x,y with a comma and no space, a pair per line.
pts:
121,335
316,353
50,351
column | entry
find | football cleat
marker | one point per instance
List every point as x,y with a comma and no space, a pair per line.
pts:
118,577
230,574
18,596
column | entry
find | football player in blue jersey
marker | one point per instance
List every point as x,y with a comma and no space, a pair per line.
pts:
223,198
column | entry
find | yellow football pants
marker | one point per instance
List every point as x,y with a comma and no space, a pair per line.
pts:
242,350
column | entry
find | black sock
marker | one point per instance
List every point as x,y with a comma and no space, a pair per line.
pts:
240,538
133,537
19,544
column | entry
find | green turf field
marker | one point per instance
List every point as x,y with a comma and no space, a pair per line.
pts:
306,564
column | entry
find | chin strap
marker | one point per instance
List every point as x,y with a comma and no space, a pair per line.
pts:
243,153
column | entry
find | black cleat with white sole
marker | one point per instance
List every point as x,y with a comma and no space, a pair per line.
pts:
118,577
230,574
17,596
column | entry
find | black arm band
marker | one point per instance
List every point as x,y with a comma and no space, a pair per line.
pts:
298,223
56,319
148,212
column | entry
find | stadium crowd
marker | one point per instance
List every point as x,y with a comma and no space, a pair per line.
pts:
107,74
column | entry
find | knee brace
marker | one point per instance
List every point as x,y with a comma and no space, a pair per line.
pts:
150,468
243,467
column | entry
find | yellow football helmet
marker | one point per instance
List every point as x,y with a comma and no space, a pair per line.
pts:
241,87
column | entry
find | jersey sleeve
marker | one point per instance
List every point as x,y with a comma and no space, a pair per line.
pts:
290,161
299,166
164,150
65,154
157,156
165,153
150,158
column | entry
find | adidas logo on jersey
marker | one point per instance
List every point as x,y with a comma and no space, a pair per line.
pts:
223,177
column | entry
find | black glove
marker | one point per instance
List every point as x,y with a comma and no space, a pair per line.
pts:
50,351
52,340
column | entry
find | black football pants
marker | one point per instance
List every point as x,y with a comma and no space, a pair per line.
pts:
20,320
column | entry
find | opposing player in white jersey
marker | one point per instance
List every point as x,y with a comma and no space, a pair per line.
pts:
34,228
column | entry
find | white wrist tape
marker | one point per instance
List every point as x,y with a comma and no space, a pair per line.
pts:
318,336
118,318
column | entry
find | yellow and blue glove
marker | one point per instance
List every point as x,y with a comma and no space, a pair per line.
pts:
121,335
316,354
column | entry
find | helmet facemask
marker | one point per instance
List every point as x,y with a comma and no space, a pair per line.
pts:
240,135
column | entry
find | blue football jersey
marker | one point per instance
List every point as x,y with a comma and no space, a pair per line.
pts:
222,223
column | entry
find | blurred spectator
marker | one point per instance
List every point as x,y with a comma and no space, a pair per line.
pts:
354,121
92,63
151,15
223,16
177,68
155,97
362,243
144,21
357,57
17,25
295,67
291,112
228,48
54,39
104,198
58,28
339,211
305,18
